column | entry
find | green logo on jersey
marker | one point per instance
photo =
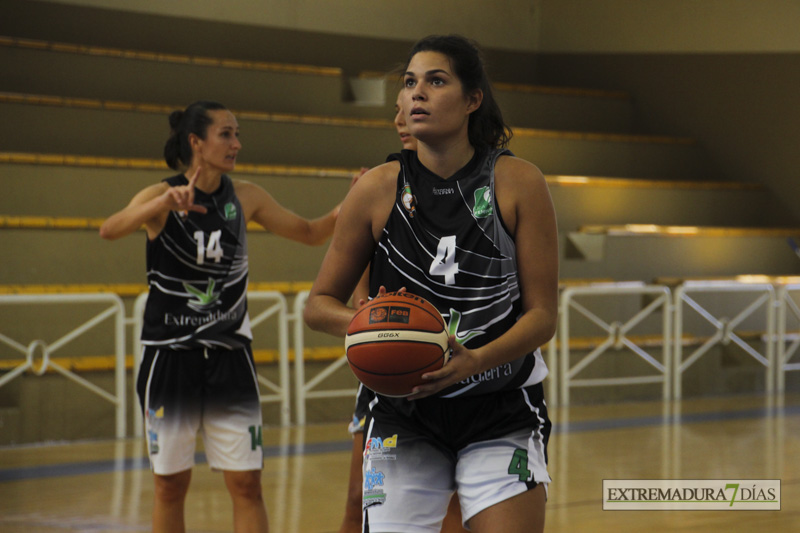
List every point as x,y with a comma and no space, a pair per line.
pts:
203,300
455,322
483,202
230,211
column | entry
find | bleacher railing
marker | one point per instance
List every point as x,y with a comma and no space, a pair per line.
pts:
774,307
114,313
725,327
618,336
788,343
305,390
279,309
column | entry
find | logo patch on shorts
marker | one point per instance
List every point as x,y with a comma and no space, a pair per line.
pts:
372,478
153,416
373,496
378,449
152,437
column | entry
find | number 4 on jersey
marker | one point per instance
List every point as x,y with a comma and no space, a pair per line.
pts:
519,465
444,264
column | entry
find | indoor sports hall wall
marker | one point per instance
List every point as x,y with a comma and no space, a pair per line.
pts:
508,24
696,68
724,72
619,26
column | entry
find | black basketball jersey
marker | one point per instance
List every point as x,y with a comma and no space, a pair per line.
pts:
445,241
197,270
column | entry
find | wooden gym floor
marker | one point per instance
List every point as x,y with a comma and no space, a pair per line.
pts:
105,486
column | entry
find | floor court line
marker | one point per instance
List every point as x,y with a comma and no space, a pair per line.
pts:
272,451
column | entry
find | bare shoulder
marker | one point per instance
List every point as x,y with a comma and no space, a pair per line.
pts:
517,178
150,192
377,185
240,186
518,172
380,178
520,189
370,201
252,197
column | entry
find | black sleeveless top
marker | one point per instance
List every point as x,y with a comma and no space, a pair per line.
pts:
445,241
197,271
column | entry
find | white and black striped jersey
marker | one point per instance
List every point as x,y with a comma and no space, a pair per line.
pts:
445,241
197,270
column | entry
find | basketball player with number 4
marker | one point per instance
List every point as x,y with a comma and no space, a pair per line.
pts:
470,228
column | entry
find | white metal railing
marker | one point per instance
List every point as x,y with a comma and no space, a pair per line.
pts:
787,307
725,328
280,391
669,370
617,336
137,320
304,391
115,311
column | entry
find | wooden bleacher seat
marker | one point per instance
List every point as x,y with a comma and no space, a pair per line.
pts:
306,137
633,230
561,108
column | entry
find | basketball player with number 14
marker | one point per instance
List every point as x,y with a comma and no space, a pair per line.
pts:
470,228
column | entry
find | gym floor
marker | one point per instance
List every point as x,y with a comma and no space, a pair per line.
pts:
105,486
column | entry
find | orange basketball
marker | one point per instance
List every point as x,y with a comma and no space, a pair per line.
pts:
393,340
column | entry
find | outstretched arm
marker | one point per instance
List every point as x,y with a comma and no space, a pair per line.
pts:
261,207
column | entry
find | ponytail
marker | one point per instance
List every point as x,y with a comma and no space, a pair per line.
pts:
194,119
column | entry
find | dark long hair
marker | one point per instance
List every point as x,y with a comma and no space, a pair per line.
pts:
194,119
486,126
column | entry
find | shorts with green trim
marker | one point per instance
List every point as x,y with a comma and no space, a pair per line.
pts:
489,448
213,393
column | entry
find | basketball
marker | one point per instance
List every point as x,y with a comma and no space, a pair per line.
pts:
393,340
